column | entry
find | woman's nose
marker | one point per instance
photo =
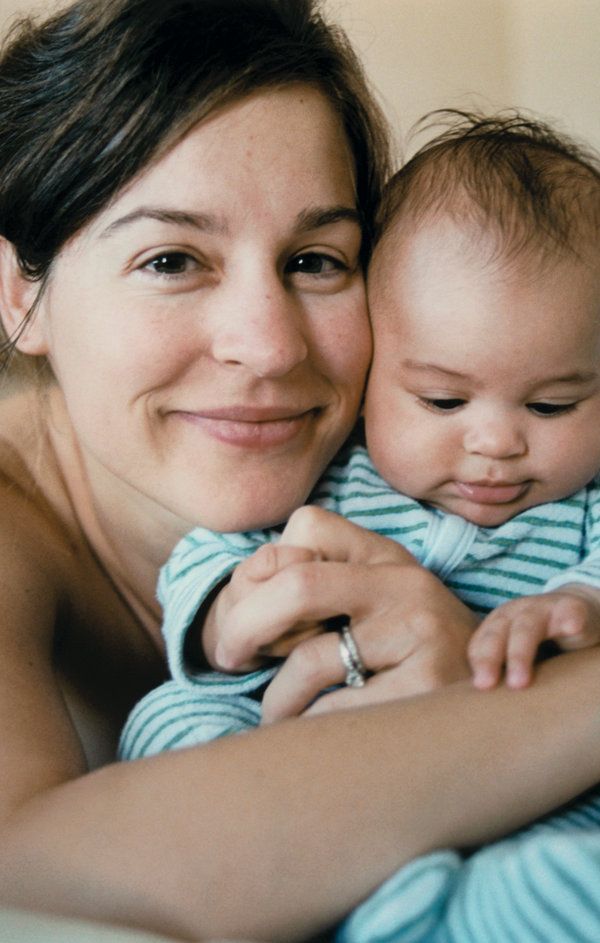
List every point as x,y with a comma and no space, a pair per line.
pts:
495,436
259,325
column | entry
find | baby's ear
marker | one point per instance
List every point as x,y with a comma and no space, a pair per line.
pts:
17,296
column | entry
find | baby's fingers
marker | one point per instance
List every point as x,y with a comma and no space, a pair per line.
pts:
526,634
486,651
574,624
511,639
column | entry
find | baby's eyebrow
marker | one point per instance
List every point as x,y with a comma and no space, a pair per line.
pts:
433,367
576,377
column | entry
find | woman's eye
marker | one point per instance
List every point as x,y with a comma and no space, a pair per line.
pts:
314,263
550,409
442,405
170,263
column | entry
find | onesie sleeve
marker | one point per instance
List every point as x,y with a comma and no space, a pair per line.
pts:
199,562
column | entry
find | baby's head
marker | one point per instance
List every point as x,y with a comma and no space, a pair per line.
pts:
484,289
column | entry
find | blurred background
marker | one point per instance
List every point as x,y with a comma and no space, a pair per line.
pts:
540,55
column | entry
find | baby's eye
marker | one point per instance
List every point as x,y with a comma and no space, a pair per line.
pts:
443,405
170,263
314,263
550,409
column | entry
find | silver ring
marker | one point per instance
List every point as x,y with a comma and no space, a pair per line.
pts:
351,660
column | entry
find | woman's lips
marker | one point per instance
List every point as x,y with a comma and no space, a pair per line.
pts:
491,493
251,429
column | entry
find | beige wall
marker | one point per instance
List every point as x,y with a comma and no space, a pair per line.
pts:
543,55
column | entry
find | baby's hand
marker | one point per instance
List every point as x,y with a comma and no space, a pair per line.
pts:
512,633
268,560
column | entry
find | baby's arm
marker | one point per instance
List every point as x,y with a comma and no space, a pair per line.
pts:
512,634
200,565
566,613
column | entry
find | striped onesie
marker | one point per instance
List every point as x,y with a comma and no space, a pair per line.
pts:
542,883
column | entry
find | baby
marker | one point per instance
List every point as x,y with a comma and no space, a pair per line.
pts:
482,419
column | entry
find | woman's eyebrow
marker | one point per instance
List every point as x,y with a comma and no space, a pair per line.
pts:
321,216
205,222
314,218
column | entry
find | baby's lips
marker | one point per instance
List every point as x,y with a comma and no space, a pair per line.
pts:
492,494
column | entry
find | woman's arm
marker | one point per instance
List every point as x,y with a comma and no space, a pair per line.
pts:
277,833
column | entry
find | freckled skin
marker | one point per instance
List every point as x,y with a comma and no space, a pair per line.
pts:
218,286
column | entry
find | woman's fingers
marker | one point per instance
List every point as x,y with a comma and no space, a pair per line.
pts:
332,537
403,653
397,614
251,573
316,665
398,667
311,668
316,591
305,593
416,674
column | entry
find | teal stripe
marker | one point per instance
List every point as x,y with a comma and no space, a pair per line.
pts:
525,558
543,541
544,522
469,587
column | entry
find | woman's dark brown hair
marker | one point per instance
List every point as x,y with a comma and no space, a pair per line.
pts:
93,95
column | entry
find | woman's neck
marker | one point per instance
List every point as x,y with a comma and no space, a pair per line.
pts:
131,536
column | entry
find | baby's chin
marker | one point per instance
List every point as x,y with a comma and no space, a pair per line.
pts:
483,515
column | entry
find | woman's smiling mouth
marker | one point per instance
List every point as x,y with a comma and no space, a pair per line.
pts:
252,428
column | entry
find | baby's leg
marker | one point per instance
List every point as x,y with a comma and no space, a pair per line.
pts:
409,907
540,885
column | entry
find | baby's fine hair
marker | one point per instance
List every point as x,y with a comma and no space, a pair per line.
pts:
533,186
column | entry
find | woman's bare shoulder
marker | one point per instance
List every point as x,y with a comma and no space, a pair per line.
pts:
63,601
24,468
36,509
21,435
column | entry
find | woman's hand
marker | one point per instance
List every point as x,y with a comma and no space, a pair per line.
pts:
411,632
226,643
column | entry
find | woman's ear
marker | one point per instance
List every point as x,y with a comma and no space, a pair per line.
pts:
17,296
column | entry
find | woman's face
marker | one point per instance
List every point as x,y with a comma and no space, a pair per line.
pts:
209,329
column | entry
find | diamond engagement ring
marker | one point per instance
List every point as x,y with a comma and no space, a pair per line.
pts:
353,663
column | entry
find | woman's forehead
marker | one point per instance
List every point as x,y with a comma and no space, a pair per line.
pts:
273,153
